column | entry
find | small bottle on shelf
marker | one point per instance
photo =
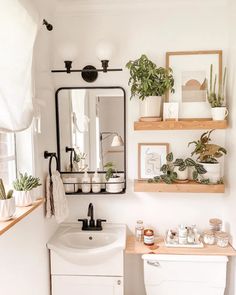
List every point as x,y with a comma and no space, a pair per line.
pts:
96,183
139,228
86,183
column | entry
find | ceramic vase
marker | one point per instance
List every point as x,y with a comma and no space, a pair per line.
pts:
219,113
150,107
213,172
7,209
115,184
24,198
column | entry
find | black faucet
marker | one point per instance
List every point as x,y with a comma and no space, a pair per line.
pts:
90,224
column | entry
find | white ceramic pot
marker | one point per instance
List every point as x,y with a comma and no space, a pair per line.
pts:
150,106
181,175
24,198
7,209
115,185
219,113
213,172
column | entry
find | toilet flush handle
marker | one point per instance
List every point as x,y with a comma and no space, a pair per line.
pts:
153,263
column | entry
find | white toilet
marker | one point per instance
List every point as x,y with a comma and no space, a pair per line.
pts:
184,274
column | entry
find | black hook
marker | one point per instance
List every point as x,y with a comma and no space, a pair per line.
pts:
48,26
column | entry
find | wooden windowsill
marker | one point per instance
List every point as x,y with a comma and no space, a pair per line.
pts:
134,247
21,212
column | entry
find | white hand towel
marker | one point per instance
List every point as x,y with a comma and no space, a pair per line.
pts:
56,201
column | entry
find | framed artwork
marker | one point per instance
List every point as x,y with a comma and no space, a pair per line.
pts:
171,111
191,71
151,156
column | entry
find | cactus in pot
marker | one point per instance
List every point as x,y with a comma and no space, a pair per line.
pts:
24,186
7,203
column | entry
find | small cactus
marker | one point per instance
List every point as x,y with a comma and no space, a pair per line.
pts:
26,182
3,195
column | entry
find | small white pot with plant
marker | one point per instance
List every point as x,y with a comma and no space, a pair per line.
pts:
114,182
149,83
207,154
7,203
23,187
79,161
217,98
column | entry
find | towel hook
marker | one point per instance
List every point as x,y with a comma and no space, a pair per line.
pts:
51,156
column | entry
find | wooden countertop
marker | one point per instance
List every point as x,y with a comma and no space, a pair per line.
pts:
134,247
21,212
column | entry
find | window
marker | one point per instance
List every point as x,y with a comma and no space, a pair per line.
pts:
7,158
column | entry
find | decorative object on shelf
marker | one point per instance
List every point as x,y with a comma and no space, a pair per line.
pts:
23,187
171,111
209,237
96,183
215,224
86,183
139,231
7,203
217,98
115,182
90,73
71,184
207,154
148,237
222,239
151,157
149,83
177,171
191,73
79,160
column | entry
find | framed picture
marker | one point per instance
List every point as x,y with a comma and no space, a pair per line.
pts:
191,71
151,156
171,111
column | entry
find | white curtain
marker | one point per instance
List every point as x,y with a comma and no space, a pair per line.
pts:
18,30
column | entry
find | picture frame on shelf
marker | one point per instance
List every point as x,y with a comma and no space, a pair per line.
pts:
171,111
191,71
151,156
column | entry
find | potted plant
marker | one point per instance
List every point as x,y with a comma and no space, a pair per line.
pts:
78,160
7,203
23,187
217,98
177,171
207,154
149,83
114,182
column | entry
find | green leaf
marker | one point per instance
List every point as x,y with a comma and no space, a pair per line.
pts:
169,157
195,175
190,162
182,167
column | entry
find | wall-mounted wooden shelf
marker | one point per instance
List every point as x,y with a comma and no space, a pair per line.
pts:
134,247
180,125
21,212
190,187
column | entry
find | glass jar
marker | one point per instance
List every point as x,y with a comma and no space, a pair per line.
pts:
222,239
148,237
139,228
209,237
215,224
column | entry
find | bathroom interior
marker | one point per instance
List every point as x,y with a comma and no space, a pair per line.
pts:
109,210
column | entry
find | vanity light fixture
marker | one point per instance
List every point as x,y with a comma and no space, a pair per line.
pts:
89,73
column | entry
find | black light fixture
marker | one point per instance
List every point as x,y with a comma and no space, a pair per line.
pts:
89,73
48,26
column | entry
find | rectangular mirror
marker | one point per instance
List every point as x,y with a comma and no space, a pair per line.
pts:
90,129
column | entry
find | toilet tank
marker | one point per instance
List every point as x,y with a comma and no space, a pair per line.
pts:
184,274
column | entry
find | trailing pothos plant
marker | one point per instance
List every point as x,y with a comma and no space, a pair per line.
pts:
205,151
146,79
169,175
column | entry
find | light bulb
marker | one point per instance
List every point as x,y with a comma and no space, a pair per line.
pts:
104,50
68,51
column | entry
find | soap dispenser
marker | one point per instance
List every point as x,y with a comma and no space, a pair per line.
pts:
96,183
86,183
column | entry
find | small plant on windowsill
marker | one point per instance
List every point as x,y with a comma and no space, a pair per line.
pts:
24,187
208,155
115,182
177,171
7,203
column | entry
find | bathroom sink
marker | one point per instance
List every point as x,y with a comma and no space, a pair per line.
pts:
81,247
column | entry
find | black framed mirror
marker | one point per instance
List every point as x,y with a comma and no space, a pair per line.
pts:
91,137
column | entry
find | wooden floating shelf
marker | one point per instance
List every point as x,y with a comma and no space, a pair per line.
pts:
190,187
134,247
180,125
21,212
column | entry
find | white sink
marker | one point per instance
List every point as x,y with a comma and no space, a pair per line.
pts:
82,247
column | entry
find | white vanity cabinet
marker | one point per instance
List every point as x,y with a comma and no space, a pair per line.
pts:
103,278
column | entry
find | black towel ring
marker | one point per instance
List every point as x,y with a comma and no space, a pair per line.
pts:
51,156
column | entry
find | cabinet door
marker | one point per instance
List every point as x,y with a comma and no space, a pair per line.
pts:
83,285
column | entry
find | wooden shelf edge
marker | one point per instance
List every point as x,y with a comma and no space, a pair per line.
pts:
134,247
21,212
190,187
180,125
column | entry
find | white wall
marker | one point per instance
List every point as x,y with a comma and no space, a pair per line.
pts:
136,27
